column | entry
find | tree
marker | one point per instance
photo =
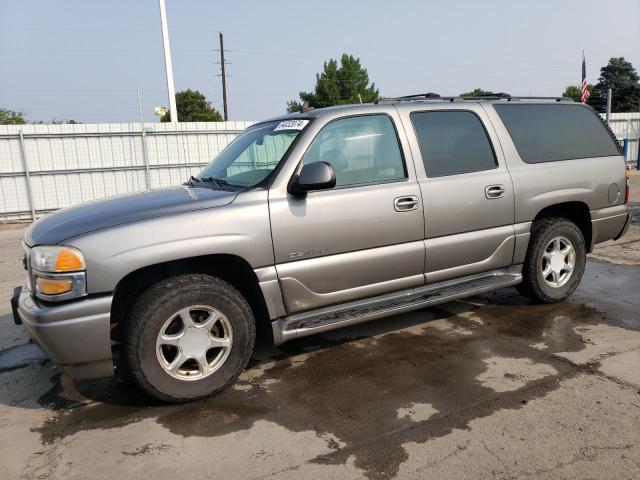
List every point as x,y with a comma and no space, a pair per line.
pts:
193,107
620,76
11,117
342,85
478,92
55,121
573,92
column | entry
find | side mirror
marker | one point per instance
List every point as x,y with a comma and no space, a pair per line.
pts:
313,176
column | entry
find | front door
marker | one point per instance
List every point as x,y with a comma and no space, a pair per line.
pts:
362,238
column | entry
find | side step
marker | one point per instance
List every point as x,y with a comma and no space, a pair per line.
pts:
329,318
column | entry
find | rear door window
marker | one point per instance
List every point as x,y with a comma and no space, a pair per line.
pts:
452,142
552,132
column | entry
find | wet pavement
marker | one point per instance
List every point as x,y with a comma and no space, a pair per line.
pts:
492,386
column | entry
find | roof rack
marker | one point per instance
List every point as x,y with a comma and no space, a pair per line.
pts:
497,96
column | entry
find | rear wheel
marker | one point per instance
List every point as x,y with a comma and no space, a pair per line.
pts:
188,337
555,260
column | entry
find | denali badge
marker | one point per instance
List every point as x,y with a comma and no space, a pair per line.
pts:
307,253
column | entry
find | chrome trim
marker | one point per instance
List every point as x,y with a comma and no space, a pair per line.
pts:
492,192
406,203
78,280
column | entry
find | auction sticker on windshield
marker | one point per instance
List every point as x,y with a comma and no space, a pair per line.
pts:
291,125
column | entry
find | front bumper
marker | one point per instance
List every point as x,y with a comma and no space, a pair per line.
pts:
75,335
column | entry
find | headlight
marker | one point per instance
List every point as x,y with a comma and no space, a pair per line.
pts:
57,273
57,259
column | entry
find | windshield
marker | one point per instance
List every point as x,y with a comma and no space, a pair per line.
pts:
253,154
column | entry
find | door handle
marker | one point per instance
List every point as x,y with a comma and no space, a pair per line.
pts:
494,191
405,204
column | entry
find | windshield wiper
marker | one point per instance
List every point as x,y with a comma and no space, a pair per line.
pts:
215,182
192,180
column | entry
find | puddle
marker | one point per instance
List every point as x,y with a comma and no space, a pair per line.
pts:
21,356
351,393
368,389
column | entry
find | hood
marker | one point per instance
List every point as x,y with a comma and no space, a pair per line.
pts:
74,221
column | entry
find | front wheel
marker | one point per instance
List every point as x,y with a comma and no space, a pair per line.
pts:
188,337
555,260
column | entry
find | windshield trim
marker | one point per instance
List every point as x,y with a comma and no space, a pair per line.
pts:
268,180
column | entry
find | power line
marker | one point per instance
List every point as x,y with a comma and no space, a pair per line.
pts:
78,90
118,30
95,50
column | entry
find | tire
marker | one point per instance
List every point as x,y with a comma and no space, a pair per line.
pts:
540,254
189,311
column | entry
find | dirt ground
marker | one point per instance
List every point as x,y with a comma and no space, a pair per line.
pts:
489,387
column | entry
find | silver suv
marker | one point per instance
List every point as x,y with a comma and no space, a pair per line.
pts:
310,222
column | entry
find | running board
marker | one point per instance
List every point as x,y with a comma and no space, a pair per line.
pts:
329,318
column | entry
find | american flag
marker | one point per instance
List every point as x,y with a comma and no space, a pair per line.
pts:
584,88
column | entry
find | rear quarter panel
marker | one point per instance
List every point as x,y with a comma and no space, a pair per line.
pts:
539,185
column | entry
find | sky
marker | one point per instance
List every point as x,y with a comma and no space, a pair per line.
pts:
86,59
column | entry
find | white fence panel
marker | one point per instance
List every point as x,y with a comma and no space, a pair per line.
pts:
71,164
627,126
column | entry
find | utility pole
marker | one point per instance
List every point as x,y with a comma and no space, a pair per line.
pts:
609,95
224,79
167,63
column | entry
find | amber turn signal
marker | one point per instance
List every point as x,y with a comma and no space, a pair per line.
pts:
69,260
48,286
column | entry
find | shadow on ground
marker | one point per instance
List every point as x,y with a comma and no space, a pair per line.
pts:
412,377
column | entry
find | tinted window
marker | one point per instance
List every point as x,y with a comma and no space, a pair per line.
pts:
452,143
545,133
361,149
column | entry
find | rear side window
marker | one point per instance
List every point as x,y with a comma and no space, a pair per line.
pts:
548,133
452,143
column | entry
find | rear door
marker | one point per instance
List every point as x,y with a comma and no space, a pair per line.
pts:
362,238
466,189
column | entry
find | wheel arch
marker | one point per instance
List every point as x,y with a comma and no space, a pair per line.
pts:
231,268
575,211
